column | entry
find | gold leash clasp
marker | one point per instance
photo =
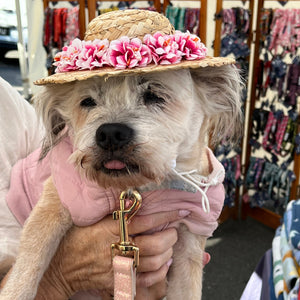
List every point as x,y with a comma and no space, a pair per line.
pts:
124,246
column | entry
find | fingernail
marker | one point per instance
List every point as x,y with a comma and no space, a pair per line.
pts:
206,258
183,213
169,262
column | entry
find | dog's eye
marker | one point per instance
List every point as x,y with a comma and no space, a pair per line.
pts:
88,102
151,98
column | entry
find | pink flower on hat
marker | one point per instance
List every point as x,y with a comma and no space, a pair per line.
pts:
190,45
93,54
164,48
66,59
100,52
128,53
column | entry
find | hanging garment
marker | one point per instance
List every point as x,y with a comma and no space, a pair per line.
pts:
176,16
293,82
61,26
277,264
192,20
48,29
172,14
229,21
266,18
72,25
181,19
285,31
59,19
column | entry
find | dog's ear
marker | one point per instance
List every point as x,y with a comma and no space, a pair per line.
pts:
47,107
219,91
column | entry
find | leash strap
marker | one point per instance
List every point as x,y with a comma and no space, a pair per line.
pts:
124,278
125,255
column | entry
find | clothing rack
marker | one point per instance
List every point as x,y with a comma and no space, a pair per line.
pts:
218,25
262,214
203,16
231,212
82,22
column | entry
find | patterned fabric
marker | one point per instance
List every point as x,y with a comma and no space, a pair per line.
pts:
58,22
271,122
290,273
277,264
61,25
192,17
293,295
286,253
285,30
184,18
72,27
294,234
280,132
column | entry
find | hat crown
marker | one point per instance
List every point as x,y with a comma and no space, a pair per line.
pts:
132,23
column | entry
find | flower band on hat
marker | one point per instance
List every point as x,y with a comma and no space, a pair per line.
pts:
129,53
130,42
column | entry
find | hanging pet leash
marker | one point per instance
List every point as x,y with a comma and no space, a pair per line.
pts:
125,255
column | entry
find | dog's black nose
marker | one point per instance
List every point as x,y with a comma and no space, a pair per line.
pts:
113,135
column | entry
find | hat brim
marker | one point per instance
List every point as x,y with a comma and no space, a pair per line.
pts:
66,77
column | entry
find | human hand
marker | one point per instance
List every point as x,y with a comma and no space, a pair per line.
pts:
83,260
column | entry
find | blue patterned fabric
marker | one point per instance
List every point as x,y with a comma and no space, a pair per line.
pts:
286,253
294,236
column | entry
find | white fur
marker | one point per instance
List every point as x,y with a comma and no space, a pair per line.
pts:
195,104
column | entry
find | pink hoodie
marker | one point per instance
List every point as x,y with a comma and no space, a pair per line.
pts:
89,203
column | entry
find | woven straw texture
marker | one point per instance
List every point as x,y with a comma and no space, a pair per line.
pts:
110,72
132,23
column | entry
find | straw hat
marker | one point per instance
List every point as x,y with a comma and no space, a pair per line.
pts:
110,27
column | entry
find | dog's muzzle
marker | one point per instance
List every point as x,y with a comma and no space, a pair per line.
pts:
115,142
114,136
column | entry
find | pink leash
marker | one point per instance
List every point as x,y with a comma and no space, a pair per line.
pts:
125,254
124,278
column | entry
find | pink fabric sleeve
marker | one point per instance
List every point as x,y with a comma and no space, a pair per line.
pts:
198,222
15,196
26,185
87,202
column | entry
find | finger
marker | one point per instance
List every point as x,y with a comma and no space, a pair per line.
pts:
206,258
150,278
156,291
144,223
156,243
159,290
154,263
107,224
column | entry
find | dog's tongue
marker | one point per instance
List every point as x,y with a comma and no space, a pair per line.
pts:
114,165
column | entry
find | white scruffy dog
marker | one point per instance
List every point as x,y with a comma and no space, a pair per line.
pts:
121,125
128,131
